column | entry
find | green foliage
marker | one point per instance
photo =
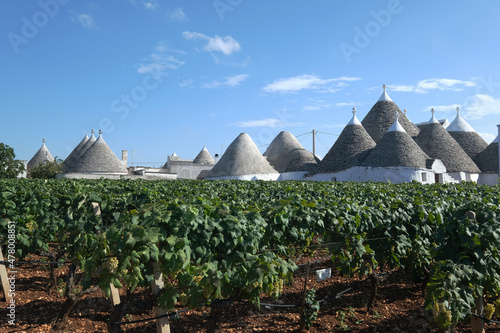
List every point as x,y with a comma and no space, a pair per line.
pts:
9,166
218,239
311,308
47,170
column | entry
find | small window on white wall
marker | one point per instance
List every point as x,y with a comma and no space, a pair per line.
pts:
424,176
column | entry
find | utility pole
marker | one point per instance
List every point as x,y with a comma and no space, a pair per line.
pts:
133,155
314,143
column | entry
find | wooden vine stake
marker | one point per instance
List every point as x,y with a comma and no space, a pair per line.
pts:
115,295
162,324
303,308
4,279
375,281
477,324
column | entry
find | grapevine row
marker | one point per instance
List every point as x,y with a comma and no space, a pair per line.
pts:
218,239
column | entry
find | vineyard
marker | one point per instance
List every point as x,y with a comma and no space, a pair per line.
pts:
217,242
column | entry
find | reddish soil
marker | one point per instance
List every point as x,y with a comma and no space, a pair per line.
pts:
398,308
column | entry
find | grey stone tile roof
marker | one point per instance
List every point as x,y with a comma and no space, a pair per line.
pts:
75,154
471,142
204,157
350,149
99,158
459,124
286,154
396,149
487,160
436,142
381,117
41,155
203,174
242,157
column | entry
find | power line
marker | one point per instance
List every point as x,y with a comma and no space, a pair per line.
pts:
303,134
327,133
322,143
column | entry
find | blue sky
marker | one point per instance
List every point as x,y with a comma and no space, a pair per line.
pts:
173,76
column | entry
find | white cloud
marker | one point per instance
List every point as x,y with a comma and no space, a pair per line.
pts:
488,137
226,44
268,122
230,81
481,105
86,21
423,86
441,108
312,107
346,104
327,106
150,5
147,4
177,15
186,83
347,78
160,61
301,82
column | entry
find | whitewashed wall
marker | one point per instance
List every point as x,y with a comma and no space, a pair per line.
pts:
488,179
392,174
269,176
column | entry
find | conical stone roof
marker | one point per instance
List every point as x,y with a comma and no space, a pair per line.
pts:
436,142
470,141
242,157
349,150
75,154
99,158
84,148
43,154
487,160
286,154
396,149
204,157
382,115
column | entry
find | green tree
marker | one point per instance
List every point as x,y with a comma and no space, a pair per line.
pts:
47,169
9,166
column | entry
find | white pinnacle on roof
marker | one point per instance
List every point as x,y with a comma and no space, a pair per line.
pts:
204,157
40,157
354,120
459,124
384,96
433,118
99,158
396,127
87,145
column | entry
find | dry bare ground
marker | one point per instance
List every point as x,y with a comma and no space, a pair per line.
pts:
398,307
